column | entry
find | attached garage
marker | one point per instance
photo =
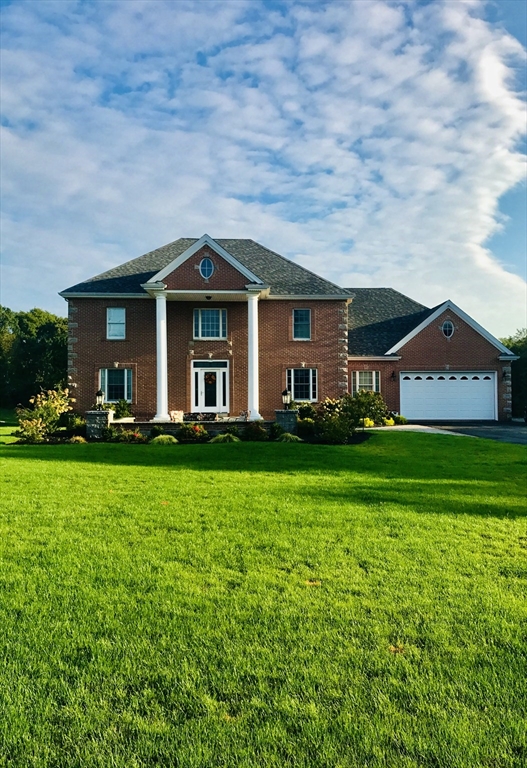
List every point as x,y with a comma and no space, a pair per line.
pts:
448,396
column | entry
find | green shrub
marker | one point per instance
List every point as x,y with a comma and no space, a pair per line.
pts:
131,436
400,419
163,440
192,433
122,409
334,423
287,437
306,428
366,405
306,410
254,432
275,431
157,430
110,434
42,419
233,429
226,437
77,439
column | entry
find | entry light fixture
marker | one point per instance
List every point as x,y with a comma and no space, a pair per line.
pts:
208,298
286,399
99,399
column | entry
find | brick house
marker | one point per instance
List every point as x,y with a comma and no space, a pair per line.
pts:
224,326
208,326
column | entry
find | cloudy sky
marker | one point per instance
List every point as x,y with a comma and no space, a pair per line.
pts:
377,143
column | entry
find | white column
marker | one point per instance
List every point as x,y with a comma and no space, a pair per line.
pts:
253,399
161,358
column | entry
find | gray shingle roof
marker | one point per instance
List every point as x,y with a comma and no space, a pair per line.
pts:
380,317
283,276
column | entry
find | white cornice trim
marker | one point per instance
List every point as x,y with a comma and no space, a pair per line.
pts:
205,240
384,358
449,305
508,357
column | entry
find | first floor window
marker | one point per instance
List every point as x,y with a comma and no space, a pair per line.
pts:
301,324
210,323
302,383
115,323
116,383
368,380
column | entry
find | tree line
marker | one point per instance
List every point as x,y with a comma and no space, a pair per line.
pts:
33,354
518,344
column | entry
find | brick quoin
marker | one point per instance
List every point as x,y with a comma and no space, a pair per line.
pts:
429,350
91,351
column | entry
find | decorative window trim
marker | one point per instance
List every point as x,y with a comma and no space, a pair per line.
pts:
313,384
197,324
448,328
310,332
127,383
204,265
357,385
115,328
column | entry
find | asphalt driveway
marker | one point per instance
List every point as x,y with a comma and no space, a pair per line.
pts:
505,433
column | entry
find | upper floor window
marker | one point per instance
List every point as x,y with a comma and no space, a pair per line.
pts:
210,323
116,323
368,380
448,328
116,383
302,383
301,324
206,268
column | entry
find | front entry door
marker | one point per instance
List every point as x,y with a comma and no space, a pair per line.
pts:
210,382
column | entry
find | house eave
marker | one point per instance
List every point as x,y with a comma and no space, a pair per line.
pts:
368,358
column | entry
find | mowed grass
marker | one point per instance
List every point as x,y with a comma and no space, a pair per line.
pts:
264,605
8,424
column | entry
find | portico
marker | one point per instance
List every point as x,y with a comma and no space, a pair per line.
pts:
219,403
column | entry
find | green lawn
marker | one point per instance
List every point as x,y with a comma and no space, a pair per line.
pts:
8,424
264,605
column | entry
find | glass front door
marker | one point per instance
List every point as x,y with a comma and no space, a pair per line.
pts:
210,386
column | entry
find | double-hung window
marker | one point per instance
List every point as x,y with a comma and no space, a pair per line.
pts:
210,323
302,383
116,323
368,380
301,324
116,383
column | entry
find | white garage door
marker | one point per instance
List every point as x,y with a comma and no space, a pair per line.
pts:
446,396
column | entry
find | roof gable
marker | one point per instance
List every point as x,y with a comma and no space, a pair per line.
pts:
434,314
284,277
206,240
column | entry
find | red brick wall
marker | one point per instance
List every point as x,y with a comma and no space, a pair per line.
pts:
89,350
187,276
430,350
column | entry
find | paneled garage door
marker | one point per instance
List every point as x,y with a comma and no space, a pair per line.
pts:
445,396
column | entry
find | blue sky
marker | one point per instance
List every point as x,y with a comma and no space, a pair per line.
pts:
378,143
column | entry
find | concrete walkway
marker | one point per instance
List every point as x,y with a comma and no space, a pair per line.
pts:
419,428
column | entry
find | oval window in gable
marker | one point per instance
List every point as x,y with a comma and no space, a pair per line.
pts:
448,328
206,268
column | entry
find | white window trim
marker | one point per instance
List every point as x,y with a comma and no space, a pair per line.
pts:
303,309
355,382
208,338
128,384
108,323
290,379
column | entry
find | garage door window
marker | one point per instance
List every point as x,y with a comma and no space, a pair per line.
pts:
366,380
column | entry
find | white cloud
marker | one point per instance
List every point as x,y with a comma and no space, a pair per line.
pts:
371,149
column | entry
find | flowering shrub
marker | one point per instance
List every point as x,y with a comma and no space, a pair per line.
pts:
37,423
192,433
389,422
367,422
